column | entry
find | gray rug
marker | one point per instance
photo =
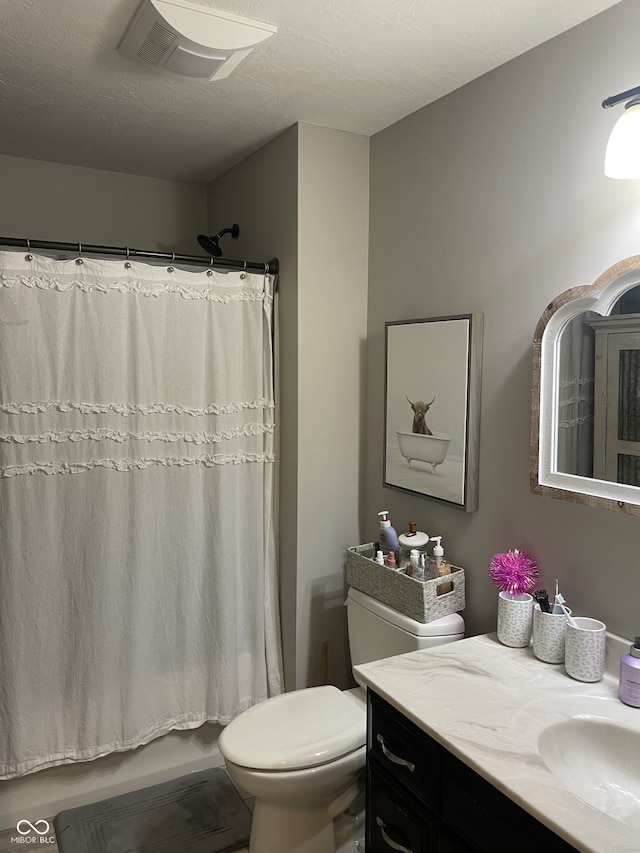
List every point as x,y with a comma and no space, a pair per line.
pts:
198,813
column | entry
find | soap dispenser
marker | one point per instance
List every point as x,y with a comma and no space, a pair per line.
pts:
440,566
387,535
629,687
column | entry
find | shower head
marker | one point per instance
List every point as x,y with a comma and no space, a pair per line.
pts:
210,244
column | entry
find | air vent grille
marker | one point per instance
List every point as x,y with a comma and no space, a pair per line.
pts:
156,44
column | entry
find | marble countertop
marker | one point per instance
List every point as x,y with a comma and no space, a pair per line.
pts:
486,703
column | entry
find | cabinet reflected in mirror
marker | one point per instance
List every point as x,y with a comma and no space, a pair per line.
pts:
586,393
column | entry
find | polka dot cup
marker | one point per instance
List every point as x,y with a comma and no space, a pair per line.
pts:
584,649
515,618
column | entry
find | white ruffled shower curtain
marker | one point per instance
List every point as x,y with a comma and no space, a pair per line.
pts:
138,589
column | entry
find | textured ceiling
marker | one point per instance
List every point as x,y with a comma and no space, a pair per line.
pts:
68,96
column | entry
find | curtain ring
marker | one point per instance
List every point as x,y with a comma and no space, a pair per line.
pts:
28,256
127,264
79,259
28,244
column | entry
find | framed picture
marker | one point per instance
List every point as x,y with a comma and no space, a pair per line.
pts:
432,407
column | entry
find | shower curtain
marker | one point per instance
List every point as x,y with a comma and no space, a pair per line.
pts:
138,588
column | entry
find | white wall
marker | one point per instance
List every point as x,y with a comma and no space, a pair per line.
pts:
493,200
333,224
304,197
51,201
261,196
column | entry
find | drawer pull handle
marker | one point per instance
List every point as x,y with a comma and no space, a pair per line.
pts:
393,844
396,760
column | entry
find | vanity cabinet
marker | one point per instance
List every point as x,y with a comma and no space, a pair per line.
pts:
422,799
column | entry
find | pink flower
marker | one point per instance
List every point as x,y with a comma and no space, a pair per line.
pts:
513,572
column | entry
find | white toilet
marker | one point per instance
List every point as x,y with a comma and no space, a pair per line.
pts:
301,754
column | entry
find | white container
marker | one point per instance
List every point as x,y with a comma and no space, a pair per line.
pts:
515,618
584,649
549,632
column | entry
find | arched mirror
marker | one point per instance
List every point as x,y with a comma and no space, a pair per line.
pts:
585,437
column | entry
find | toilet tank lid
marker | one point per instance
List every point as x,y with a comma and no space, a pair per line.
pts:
300,729
446,626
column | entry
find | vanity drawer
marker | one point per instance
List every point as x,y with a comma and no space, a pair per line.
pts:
404,751
392,825
488,818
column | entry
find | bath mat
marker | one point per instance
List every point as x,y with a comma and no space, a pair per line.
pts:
198,813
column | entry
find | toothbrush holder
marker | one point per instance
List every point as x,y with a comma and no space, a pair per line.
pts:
584,653
515,618
549,631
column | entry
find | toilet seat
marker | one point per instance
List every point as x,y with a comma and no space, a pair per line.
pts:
297,730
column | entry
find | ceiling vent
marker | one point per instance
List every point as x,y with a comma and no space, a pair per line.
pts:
191,40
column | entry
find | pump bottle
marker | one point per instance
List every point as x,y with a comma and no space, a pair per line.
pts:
387,535
629,687
440,566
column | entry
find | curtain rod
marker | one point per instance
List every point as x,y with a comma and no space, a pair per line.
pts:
271,267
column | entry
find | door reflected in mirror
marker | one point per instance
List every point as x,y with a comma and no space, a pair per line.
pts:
586,393
599,394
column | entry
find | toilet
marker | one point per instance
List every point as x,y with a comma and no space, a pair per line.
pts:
302,754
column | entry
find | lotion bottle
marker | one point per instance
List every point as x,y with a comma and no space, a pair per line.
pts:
629,687
387,535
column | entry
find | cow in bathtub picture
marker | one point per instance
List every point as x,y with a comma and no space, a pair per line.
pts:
431,405
421,444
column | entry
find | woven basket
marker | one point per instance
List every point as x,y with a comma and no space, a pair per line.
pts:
415,598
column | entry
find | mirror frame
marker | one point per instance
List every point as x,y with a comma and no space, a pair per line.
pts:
544,479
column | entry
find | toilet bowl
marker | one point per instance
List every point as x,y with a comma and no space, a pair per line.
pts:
302,754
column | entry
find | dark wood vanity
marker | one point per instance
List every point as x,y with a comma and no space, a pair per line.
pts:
422,799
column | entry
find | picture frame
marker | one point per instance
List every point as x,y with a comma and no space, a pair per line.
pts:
433,370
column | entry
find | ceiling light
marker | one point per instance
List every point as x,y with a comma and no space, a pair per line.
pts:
192,40
622,157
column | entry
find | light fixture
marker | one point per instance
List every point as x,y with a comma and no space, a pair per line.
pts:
192,40
622,157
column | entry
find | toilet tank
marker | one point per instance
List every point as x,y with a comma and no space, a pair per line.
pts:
378,631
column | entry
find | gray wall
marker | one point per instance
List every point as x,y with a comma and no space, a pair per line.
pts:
333,231
51,201
305,197
493,200
261,195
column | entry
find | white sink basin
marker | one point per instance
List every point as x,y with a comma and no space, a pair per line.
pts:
599,761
